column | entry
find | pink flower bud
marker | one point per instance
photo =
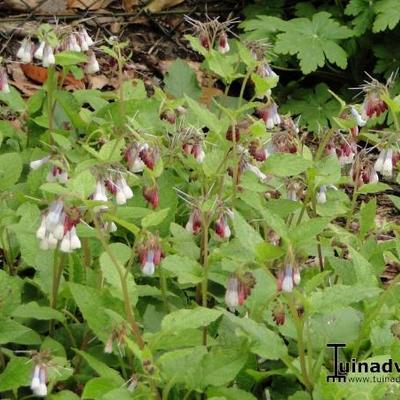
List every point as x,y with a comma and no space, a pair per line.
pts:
223,45
151,196
4,86
194,223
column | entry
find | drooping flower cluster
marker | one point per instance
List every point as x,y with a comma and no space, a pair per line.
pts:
221,226
194,223
288,278
44,51
238,289
117,336
212,33
58,226
195,148
115,184
269,114
150,254
132,157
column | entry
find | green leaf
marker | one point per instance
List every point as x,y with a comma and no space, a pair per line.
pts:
65,58
10,169
247,235
33,310
308,229
363,15
367,217
285,164
263,27
16,374
155,218
334,297
373,188
64,395
181,80
13,332
388,15
96,388
102,369
315,106
92,304
13,100
314,41
84,184
202,115
222,364
186,269
61,141
10,293
111,151
71,108
183,366
231,393
395,200
189,319
263,341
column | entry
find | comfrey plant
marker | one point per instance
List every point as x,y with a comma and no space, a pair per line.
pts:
165,246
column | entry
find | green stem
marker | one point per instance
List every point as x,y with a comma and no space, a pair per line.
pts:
164,291
127,303
300,343
58,267
204,283
352,208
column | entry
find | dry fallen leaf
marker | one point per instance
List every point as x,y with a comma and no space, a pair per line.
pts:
97,81
88,4
39,75
159,5
20,81
52,7
129,5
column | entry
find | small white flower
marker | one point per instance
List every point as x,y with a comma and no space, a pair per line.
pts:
35,382
39,51
149,267
321,195
65,245
52,241
92,66
121,183
41,232
87,38
232,293
63,177
100,193
25,51
287,284
74,239
4,86
48,56
359,119
379,162
387,168
38,163
256,171
120,197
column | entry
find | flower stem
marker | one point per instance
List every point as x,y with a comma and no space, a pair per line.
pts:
300,343
204,256
127,303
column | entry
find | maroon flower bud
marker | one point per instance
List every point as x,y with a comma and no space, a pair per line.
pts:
194,223
229,134
151,195
111,186
278,314
148,156
169,116
204,40
258,152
